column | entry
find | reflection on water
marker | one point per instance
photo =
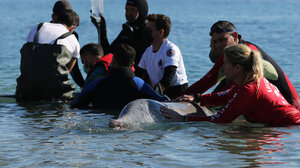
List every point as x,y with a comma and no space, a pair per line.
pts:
252,145
51,133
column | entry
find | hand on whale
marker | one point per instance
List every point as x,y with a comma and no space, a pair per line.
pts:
171,115
149,111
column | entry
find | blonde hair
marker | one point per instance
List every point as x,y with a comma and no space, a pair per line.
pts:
249,59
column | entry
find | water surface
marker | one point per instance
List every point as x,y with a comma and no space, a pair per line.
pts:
53,135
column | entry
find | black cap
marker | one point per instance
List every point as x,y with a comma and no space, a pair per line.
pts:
142,7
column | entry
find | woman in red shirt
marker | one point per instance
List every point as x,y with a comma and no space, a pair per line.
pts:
252,95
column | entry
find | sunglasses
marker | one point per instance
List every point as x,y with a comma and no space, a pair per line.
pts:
218,29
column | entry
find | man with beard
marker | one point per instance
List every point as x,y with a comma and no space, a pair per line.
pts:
223,34
133,32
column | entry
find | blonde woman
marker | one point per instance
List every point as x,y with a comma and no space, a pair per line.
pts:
252,95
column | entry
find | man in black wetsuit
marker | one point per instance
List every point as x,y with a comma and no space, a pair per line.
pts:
223,34
133,32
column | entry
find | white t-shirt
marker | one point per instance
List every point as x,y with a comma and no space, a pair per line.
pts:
155,63
49,32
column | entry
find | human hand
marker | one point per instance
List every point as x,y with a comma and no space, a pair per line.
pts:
100,26
127,29
187,98
171,115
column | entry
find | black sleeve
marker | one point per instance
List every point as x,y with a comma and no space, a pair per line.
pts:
169,74
121,38
104,42
77,76
125,36
142,73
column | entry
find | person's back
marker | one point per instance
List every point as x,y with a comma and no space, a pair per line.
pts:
270,107
116,90
46,60
274,73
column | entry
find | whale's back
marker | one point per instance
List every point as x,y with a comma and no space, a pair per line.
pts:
148,111
142,111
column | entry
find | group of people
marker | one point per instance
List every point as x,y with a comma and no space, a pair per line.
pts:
142,63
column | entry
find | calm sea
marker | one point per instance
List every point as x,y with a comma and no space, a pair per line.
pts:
53,135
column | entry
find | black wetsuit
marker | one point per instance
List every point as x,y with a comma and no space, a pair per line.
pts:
115,90
272,72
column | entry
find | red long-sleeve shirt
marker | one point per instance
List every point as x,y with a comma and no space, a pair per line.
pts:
263,104
282,82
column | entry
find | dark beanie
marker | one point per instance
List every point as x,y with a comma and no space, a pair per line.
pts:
61,5
142,6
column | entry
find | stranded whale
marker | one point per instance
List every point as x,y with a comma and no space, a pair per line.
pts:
148,111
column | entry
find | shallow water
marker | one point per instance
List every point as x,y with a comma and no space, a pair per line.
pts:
53,135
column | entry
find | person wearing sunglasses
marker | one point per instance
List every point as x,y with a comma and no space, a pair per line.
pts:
223,34
251,94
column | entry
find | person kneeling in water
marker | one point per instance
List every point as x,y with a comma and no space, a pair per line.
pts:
120,86
252,95
95,63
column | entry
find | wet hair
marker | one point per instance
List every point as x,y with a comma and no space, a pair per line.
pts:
249,59
161,22
222,26
124,55
142,7
61,5
68,17
93,49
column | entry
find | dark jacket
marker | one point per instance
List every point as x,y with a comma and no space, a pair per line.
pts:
115,90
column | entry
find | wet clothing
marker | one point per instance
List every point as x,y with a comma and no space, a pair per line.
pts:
259,102
99,69
272,72
135,38
155,63
44,75
115,90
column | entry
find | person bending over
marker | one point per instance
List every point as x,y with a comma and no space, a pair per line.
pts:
95,63
251,95
223,34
